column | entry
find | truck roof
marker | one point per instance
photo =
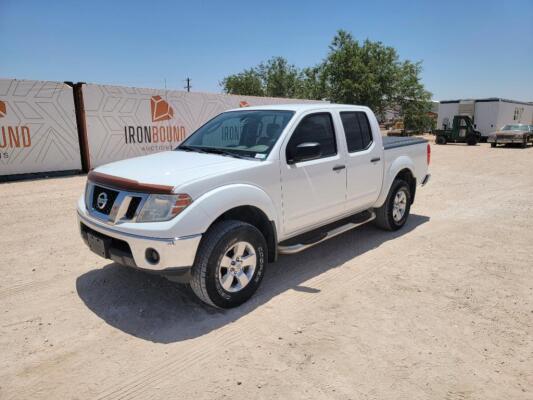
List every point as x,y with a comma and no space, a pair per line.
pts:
298,107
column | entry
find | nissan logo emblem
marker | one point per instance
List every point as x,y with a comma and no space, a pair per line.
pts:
101,200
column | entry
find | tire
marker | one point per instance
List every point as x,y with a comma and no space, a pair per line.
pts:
385,217
524,143
441,140
493,145
218,247
471,140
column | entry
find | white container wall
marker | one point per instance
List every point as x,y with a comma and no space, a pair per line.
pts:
446,114
38,131
486,117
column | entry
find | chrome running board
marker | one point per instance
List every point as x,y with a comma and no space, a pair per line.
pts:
296,248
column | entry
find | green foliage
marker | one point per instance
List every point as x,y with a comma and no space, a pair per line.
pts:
367,73
414,100
280,79
361,74
247,82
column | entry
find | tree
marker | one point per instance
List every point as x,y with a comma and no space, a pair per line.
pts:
275,78
413,99
360,74
370,74
312,83
248,82
280,79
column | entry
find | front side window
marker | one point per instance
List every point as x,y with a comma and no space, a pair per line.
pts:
314,128
243,133
357,130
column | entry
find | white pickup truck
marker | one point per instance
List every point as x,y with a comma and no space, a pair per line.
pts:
248,185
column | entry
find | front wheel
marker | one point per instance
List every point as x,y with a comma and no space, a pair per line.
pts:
393,214
229,264
493,145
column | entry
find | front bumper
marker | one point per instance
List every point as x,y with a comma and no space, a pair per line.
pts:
176,255
505,140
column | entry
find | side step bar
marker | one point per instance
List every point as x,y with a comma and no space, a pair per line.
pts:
296,248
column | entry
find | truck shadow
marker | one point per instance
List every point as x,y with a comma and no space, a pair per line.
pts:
150,307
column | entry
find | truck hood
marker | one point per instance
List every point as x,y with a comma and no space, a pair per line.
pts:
174,168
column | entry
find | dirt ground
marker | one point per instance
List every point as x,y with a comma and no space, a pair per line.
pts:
442,309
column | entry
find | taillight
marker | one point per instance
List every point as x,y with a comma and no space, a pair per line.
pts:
429,154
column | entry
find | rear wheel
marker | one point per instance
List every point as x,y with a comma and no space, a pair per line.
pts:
441,140
493,145
393,214
229,264
471,140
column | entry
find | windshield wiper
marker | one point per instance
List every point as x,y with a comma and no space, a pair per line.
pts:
191,148
225,153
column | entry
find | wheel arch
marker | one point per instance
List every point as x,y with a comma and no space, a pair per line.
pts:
402,167
407,175
241,202
257,218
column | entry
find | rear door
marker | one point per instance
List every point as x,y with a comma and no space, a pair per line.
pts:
313,191
364,161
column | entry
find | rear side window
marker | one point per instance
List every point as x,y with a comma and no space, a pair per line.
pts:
357,130
315,128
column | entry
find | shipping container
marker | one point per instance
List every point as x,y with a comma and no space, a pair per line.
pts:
38,131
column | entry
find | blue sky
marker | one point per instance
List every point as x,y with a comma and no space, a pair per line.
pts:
468,49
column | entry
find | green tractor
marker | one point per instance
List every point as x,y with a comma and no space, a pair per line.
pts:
461,131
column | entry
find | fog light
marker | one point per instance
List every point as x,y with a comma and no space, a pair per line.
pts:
152,256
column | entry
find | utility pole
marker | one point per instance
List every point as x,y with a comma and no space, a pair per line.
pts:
188,85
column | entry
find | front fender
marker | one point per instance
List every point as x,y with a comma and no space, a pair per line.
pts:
197,218
400,163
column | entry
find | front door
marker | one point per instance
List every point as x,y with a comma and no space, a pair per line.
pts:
313,191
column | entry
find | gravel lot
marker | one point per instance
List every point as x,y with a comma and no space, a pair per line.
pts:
442,309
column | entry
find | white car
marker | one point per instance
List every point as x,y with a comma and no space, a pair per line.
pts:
248,185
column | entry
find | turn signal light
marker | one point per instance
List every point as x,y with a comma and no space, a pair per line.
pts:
182,201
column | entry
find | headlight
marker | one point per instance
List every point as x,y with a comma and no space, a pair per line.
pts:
162,207
86,194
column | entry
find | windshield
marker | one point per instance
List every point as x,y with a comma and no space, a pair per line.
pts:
514,128
246,133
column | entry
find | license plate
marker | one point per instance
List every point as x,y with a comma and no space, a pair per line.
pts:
97,245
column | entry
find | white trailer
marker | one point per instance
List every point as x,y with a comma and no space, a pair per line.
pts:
488,115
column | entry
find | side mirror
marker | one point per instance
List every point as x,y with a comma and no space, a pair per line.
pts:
304,152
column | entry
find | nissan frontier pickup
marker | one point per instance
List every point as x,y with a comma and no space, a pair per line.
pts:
248,185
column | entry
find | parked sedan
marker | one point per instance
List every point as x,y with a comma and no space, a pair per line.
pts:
521,134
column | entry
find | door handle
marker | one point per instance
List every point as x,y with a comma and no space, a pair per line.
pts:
375,159
338,167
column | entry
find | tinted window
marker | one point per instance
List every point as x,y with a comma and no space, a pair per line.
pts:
316,128
250,133
357,130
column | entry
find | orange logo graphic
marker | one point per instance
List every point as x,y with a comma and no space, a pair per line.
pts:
161,110
244,103
3,109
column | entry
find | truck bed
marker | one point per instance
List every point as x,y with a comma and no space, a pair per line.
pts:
392,142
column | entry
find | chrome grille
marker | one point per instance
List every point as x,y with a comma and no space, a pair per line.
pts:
120,206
